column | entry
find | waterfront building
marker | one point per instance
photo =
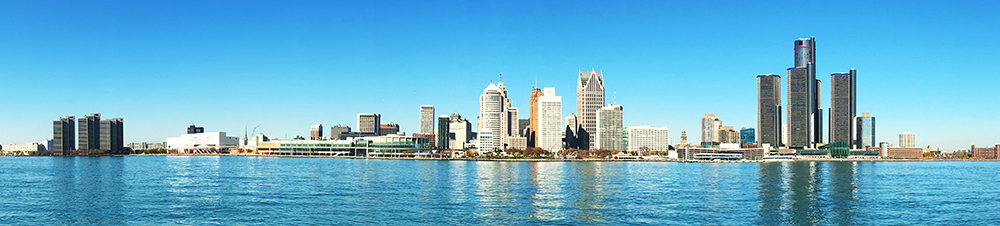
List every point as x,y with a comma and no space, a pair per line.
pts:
443,132
728,135
747,136
907,140
654,138
804,110
63,135
210,140
388,128
490,115
550,128
316,132
709,130
48,144
22,149
533,117
982,153
497,114
460,132
337,130
843,106
769,109
431,138
865,131
195,129
485,141
610,130
89,129
905,152
369,123
427,119
112,136
589,99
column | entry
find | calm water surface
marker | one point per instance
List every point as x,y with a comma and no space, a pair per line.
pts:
250,190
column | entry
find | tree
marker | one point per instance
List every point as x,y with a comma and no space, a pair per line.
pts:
644,150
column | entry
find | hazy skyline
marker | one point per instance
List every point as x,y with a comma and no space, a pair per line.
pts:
225,65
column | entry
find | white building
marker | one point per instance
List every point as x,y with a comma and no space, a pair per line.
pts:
907,140
462,130
610,132
550,127
656,139
490,115
427,119
571,122
485,140
202,140
22,149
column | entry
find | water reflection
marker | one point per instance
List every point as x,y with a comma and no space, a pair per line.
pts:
548,195
806,193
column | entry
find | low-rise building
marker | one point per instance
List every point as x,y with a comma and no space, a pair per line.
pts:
986,152
211,140
22,149
905,153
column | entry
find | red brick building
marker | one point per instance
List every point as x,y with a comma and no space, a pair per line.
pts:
986,153
906,153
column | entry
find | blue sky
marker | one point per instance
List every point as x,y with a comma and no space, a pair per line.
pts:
927,67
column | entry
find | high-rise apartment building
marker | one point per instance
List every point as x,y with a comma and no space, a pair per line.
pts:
533,117
388,128
843,107
610,130
369,123
316,132
654,138
443,136
907,140
89,129
805,116
708,130
550,128
769,109
112,136
63,135
865,131
427,119
336,130
589,99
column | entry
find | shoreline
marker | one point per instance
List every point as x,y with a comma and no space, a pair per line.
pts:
559,160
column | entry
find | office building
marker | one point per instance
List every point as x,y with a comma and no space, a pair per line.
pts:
610,130
195,129
571,122
865,131
388,128
747,136
63,136
202,141
112,136
907,140
654,138
427,119
460,132
769,109
22,149
316,132
550,128
589,99
443,133
804,110
336,130
89,129
369,123
843,102
728,135
533,117
491,112
708,130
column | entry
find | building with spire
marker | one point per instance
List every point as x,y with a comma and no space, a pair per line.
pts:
589,99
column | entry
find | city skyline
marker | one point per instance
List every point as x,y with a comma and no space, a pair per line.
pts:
171,73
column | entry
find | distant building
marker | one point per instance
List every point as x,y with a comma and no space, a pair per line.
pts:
708,131
801,108
443,132
654,138
429,136
388,128
369,123
485,139
865,131
549,121
63,135
89,133
22,149
728,135
747,136
906,152
426,118
201,140
460,132
533,117
112,136
589,99
195,129
983,153
316,132
336,130
843,92
769,109
906,140
610,129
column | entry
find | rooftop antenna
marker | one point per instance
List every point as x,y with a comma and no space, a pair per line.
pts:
536,82
615,93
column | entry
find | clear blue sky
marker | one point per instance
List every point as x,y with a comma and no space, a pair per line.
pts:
927,67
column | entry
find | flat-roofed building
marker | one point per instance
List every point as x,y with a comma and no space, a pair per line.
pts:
63,136
369,123
654,138
316,132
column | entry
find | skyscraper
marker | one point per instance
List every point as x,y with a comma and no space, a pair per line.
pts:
89,133
708,130
533,117
550,128
63,136
769,109
460,130
610,130
427,119
369,123
489,120
589,99
443,131
843,107
336,130
804,113
907,140
316,132
865,132
112,136
656,139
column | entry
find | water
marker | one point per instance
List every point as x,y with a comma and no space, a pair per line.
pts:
199,190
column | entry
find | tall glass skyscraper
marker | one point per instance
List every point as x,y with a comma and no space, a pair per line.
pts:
805,117
843,106
769,109
865,131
